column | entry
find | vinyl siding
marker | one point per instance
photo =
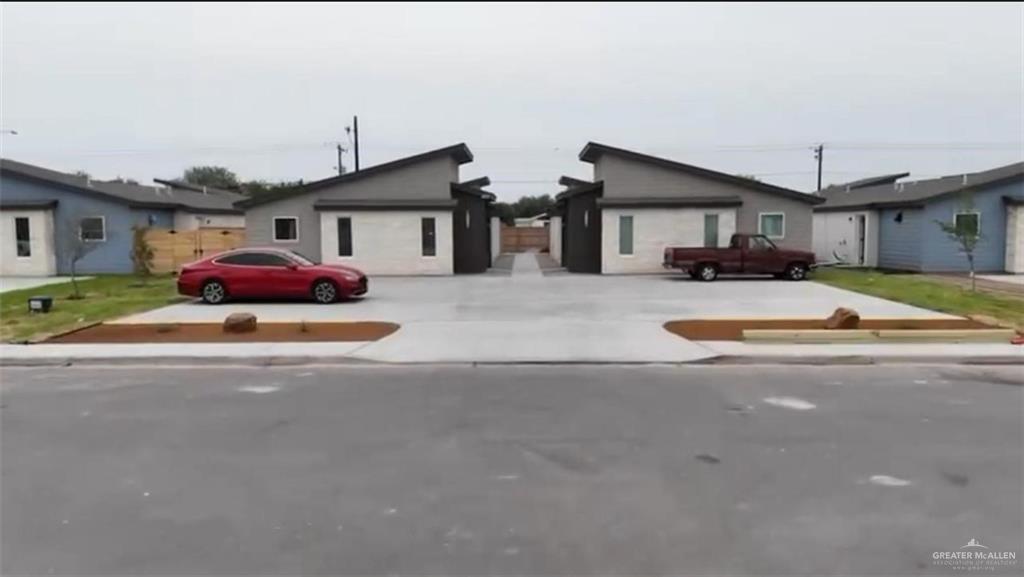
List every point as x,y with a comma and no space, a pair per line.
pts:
943,254
111,256
899,243
430,179
628,178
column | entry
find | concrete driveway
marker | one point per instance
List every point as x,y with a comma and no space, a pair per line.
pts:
528,316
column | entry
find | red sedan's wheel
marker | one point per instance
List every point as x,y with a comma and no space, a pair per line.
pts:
214,292
324,292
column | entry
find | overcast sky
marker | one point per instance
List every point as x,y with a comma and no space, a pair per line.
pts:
145,90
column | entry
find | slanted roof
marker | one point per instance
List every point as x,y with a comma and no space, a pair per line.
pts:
134,195
916,193
593,150
38,204
576,187
475,188
459,152
869,181
678,202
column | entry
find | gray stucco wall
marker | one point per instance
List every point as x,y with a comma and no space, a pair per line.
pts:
942,254
110,256
624,178
899,243
430,179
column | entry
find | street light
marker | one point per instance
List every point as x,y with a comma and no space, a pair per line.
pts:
6,131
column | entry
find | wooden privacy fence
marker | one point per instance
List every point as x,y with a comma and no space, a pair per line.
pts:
524,239
173,248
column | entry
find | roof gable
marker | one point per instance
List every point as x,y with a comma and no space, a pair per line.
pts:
593,151
458,152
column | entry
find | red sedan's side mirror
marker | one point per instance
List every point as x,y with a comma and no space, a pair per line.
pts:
292,266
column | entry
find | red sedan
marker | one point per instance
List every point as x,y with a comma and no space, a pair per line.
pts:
268,273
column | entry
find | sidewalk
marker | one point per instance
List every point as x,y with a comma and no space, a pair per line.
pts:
438,345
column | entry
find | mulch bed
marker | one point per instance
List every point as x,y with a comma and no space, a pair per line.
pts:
214,333
732,329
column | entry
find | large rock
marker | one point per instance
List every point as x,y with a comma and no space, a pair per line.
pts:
240,323
843,318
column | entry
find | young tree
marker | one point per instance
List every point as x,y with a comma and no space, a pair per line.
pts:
72,247
142,253
215,176
965,230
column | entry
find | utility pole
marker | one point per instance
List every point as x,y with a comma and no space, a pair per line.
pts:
819,152
355,131
341,167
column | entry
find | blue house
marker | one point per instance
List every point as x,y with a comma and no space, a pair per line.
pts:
890,223
43,213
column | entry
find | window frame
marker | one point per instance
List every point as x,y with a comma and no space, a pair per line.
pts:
632,236
976,213
423,237
760,225
718,229
351,237
18,243
273,229
103,228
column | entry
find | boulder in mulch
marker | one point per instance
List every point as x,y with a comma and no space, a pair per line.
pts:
240,323
843,318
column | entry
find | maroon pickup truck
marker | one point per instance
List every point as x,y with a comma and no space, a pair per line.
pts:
747,254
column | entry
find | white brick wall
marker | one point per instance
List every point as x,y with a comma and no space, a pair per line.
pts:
1015,239
555,240
653,230
389,242
43,260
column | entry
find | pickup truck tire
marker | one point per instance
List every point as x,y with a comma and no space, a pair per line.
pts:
707,272
796,271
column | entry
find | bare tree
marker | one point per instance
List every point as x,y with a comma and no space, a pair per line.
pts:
965,231
72,247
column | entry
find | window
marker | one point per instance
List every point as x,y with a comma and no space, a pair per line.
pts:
710,231
967,223
286,229
428,235
344,236
92,229
22,237
772,224
254,259
761,243
626,235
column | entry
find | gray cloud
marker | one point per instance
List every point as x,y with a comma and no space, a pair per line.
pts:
145,90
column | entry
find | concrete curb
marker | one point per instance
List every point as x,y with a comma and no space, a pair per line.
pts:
293,361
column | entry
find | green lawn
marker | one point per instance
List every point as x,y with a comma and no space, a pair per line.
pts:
106,297
922,292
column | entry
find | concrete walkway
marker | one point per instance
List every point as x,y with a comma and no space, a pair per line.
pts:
13,283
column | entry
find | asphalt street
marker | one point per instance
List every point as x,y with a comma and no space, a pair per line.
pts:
508,470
